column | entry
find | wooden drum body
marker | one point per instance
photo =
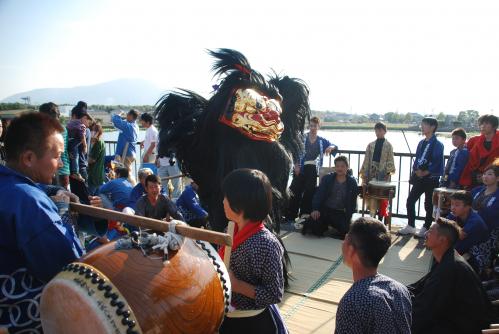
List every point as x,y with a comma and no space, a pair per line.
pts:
125,291
380,189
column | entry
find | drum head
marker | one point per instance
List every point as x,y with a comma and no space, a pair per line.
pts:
81,299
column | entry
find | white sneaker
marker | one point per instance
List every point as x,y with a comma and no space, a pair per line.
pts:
421,233
407,230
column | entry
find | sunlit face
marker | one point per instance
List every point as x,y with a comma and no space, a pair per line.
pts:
458,141
486,128
86,121
340,168
144,124
314,127
380,133
426,128
431,237
43,169
459,209
1,128
129,118
153,189
489,178
229,213
347,250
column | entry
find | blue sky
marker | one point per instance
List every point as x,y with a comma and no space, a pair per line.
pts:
357,56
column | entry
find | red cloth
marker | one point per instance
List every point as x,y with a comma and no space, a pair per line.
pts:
477,153
383,208
241,236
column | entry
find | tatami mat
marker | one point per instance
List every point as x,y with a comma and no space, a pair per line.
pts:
321,279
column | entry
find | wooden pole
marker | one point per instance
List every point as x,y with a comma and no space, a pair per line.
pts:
153,224
228,249
165,178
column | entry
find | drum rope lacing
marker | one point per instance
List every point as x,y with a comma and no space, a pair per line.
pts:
220,272
93,277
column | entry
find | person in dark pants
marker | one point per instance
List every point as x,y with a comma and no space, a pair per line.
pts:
306,171
427,169
334,202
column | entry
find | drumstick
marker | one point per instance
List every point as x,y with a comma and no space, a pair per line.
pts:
228,249
154,224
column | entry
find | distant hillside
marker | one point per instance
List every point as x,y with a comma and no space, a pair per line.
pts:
121,91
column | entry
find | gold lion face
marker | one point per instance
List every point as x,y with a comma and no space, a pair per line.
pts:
255,116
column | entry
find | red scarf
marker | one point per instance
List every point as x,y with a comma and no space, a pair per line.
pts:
241,236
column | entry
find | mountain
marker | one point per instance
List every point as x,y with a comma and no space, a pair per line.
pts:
121,91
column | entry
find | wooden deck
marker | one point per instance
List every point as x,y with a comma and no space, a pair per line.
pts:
321,278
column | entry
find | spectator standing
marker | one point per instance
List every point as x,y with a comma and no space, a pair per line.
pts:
457,161
427,169
378,165
484,149
96,159
127,138
150,142
306,170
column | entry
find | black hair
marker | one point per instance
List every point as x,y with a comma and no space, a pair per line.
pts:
464,196
431,121
459,132
82,104
134,113
341,158
30,132
146,117
494,168
449,229
371,240
152,178
490,119
249,191
50,109
122,172
380,125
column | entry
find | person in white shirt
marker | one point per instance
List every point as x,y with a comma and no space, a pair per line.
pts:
150,142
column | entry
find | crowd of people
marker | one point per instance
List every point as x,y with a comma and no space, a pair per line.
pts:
45,165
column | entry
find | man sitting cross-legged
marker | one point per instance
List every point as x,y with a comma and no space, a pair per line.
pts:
450,298
334,201
155,205
374,303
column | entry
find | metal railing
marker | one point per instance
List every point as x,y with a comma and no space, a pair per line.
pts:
403,164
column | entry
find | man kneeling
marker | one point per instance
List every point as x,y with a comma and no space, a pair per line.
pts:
334,201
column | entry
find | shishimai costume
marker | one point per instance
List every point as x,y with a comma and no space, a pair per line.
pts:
248,122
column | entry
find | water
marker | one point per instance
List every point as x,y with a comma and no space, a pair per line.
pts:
357,140
352,139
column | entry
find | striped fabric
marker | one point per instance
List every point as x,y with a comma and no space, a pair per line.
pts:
64,170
